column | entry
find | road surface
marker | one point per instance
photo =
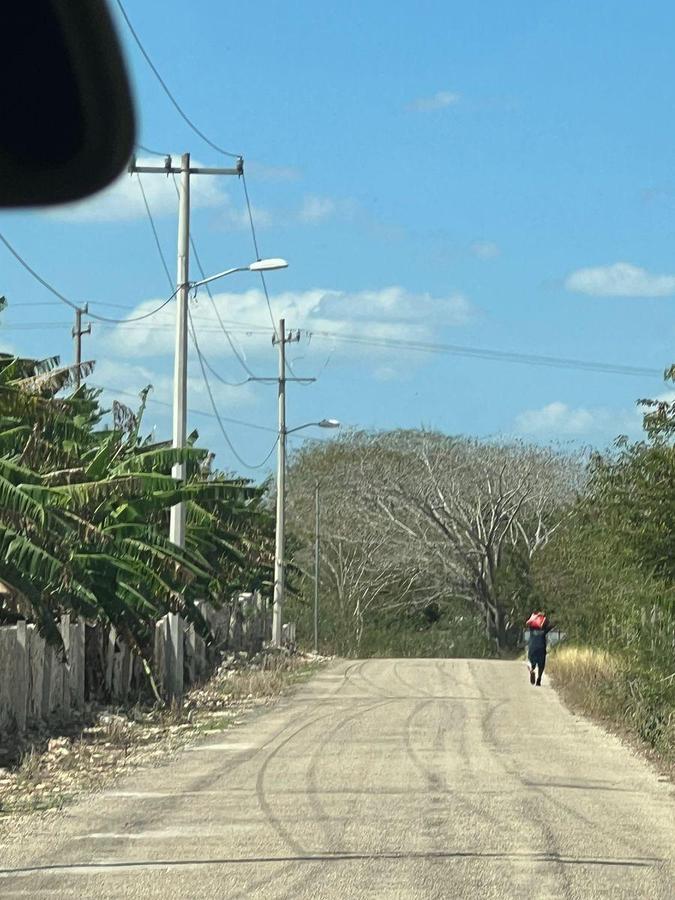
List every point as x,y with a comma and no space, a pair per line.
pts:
379,779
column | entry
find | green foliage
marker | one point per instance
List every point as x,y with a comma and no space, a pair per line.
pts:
84,514
611,570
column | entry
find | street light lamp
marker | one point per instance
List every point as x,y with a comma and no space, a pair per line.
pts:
279,562
323,423
260,265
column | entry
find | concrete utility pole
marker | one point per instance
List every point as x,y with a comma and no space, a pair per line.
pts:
279,563
177,522
277,611
317,513
78,331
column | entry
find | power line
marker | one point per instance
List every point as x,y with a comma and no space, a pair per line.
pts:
168,274
256,247
75,306
154,230
206,415
209,292
243,462
233,347
49,303
483,353
151,152
195,412
168,93
37,277
257,252
220,377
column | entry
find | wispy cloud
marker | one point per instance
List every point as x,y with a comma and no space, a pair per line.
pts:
558,419
313,209
236,218
555,418
390,312
620,279
123,201
316,209
130,379
440,100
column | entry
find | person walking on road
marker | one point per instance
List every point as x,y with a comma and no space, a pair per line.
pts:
538,628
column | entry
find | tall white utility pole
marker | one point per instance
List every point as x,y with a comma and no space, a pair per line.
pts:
177,524
277,612
279,562
317,545
177,520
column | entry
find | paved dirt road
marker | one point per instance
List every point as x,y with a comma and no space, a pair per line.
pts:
381,779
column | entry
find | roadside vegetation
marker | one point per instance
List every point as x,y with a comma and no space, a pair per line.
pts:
84,513
610,575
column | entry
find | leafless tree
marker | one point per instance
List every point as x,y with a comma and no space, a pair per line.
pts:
415,516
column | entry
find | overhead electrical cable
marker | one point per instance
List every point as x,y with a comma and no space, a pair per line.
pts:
201,412
233,346
168,275
195,412
484,353
181,112
304,382
257,252
154,230
70,303
245,366
151,152
217,415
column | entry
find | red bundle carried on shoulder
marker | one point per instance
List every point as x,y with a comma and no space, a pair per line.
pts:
536,620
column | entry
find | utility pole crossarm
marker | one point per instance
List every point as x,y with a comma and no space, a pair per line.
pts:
170,169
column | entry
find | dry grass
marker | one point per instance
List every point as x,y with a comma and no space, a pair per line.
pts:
636,702
587,676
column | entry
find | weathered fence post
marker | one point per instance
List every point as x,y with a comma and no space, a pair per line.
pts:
176,633
36,672
20,676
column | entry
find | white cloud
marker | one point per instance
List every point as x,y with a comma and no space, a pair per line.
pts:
312,210
440,100
620,279
555,418
558,419
236,218
390,312
123,201
484,249
124,381
315,209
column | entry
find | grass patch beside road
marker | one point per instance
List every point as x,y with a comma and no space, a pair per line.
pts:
630,699
55,770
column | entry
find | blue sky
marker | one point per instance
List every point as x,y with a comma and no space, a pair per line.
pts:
488,175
